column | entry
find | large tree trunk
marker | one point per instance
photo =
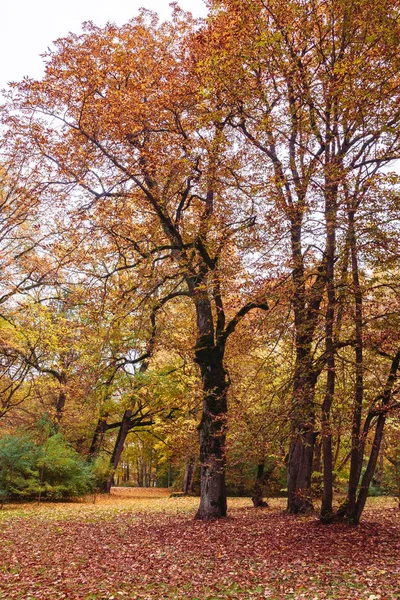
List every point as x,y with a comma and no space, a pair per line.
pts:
301,448
212,431
300,470
306,307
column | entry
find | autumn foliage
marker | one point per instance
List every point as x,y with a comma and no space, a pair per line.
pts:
200,234
138,547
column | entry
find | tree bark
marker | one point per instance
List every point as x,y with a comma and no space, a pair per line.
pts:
118,448
212,430
98,437
61,399
188,479
355,516
261,478
317,458
330,219
300,469
301,449
357,443
306,310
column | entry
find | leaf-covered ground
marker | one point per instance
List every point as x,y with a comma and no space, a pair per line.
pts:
148,547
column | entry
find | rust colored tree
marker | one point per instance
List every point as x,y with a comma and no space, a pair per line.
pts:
313,88
123,131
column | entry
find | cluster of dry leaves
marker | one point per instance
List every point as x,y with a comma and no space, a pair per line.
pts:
151,548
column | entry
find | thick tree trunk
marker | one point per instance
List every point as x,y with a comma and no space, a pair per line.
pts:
306,306
301,448
212,431
300,470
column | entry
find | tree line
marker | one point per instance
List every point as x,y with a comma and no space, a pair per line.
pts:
213,199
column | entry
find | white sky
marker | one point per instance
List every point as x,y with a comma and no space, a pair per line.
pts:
28,27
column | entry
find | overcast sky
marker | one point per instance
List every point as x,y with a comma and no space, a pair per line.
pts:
28,27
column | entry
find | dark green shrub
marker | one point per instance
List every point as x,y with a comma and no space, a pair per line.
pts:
19,475
63,473
53,470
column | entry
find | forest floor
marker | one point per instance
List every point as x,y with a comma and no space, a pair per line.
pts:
145,545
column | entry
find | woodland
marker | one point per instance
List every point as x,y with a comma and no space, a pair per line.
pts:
199,280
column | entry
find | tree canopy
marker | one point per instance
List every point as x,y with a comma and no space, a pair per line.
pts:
201,230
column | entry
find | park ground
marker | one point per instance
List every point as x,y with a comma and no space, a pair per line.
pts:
141,544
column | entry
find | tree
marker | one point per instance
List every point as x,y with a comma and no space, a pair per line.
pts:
149,164
312,87
223,167
15,374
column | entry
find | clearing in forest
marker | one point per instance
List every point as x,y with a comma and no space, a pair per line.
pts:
145,545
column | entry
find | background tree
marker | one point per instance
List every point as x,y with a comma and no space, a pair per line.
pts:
312,87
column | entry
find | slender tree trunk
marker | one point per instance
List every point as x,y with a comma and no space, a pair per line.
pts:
317,458
61,400
317,464
188,479
118,447
356,445
355,516
126,426
257,497
327,494
379,474
262,477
